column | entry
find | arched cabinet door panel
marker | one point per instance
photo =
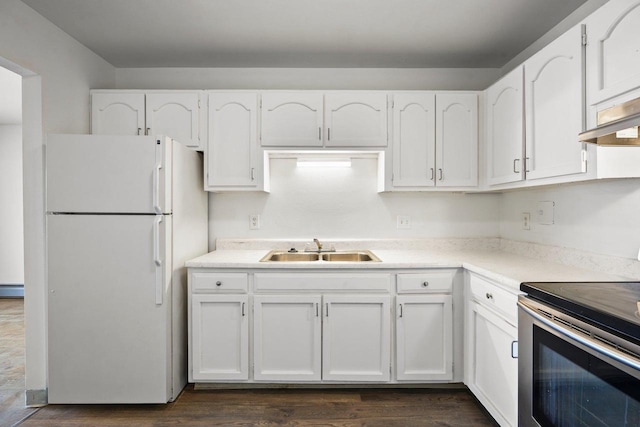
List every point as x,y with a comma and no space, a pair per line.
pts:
232,146
355,119
414,140
505,129
456,140
291,119
176,115
554,108
613,50
117,113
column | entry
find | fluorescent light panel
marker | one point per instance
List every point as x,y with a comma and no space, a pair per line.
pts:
323,163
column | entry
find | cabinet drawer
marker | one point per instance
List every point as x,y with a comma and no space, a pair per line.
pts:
219,282
490,295
440,281
373,282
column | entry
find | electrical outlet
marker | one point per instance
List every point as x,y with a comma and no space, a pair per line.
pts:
545,213
254,222
526,221
403,221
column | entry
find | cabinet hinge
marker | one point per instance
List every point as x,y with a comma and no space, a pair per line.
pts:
584,160
584,39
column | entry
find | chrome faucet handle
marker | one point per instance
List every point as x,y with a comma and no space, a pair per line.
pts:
318,244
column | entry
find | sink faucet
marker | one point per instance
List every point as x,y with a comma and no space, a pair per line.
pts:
318,244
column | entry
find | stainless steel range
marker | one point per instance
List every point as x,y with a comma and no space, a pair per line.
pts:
579,358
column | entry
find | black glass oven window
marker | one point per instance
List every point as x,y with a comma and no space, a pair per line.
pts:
573,388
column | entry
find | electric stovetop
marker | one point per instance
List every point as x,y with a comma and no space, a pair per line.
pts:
610,305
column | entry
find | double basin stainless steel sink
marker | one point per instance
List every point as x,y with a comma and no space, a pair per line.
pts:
344,256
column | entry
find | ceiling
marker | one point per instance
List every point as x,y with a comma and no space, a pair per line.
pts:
306,33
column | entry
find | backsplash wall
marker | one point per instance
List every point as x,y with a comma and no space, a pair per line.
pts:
599,217
343,203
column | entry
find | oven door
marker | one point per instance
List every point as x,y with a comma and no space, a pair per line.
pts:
569,378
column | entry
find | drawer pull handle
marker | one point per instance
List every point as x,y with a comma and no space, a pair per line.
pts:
489,296
400,310
218,283
514,349
425,284
242,309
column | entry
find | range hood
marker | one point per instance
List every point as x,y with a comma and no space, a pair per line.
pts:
616,126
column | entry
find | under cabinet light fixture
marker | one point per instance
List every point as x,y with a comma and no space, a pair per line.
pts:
324,163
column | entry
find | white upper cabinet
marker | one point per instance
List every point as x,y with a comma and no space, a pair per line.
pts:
456,140
435,140
414,140
505,129
231,155
176,114
118,113
292,119
613,50
555,108
354,119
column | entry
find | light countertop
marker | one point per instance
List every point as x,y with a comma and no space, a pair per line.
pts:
504,268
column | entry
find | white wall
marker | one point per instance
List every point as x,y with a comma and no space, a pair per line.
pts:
307,78
11,224
599,217
58,73
343,203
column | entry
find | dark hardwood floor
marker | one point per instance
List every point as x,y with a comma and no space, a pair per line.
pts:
12,384
281,407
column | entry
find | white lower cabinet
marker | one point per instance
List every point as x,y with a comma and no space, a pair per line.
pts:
424,337
287,337
356,343
349,333
323,327
491,350
220,337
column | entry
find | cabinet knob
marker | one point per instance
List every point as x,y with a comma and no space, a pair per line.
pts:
218,283
489,296
425,284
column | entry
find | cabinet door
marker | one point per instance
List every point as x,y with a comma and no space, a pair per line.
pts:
232,145
291,119
220,337
505,129
176,115
414,146
613,50
494,370
554,108
356,119
356,338
117,113
287,338
424,337
457,140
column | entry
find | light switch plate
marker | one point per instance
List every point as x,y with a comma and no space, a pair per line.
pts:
526,221
545,212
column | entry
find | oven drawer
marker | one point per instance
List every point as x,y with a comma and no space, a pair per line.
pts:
494,297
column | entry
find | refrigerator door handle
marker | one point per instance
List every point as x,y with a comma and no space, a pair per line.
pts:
156,189
157,260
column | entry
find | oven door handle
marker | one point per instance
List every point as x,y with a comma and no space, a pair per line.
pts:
590,343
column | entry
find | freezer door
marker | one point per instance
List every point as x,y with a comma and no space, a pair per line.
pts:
108,174
109,333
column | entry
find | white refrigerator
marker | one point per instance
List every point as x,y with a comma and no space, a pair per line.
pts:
124,213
